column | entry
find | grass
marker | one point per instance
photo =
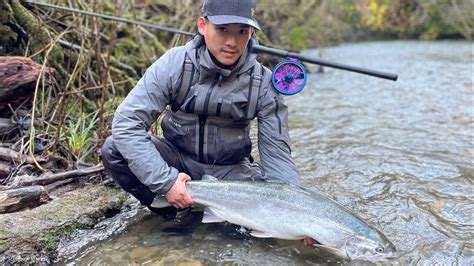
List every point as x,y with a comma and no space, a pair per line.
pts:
81,137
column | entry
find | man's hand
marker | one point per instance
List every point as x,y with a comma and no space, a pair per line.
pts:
178,195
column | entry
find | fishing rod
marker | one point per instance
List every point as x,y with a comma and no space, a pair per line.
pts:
289,77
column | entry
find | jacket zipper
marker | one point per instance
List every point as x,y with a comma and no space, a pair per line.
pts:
276,114
209,92
202,123
203,119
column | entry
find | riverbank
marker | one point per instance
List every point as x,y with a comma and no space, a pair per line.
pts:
33,236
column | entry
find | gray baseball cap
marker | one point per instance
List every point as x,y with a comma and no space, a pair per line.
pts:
231,11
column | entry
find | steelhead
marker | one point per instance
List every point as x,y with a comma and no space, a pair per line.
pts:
288,211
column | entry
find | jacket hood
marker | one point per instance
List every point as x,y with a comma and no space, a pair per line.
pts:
201,58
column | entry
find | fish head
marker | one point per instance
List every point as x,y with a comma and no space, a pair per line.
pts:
374,248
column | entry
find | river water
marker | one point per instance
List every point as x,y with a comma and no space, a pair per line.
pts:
399,154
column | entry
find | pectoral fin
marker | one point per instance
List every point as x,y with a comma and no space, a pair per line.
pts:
160,202
260,234
332,250
211,216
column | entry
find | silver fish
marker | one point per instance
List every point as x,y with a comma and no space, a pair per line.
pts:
291,212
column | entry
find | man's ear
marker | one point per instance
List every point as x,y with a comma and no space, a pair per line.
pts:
252,32
201,23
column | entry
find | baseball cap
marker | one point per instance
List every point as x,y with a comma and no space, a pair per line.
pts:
231,11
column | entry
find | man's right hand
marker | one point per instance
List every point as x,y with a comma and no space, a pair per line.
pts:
178,195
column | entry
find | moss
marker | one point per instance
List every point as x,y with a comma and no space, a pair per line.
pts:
39,34
7,36
6,14
80,104
128,51
7,40
4,238
29,22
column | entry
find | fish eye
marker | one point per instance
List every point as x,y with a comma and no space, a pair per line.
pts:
379,249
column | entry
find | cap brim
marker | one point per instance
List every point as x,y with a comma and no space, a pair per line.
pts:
228,19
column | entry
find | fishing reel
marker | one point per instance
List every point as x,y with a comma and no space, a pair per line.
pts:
289,76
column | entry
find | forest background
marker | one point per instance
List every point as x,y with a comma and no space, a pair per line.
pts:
97,62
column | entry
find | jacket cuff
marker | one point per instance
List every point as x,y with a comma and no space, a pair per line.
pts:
170,180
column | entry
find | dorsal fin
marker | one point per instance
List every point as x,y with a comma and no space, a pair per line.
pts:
260,234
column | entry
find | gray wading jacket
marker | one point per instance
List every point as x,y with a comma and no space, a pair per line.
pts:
211,124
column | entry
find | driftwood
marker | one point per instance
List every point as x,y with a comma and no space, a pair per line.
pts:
7,126
53,186
18,76
5,170
28,181
17,199
19,121
10,155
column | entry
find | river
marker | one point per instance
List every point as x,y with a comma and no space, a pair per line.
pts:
399,154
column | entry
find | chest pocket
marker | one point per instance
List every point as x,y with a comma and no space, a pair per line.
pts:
203,99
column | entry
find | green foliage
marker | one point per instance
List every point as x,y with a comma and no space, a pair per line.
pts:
374,15
295,25
450,18
297,36
416,19
80,136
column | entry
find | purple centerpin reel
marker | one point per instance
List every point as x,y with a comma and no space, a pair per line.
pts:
289,77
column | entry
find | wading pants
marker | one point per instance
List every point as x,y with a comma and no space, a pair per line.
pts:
118,168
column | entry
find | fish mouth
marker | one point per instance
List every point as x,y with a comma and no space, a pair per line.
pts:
387,257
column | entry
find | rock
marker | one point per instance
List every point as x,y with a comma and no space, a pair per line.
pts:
32,236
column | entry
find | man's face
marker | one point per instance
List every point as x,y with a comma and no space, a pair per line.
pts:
226,42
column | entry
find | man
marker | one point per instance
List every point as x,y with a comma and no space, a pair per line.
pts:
215,87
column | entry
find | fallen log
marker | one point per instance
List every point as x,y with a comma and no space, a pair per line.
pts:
5,170
18,80
53,186
20,198
10,155
7,126
59,176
